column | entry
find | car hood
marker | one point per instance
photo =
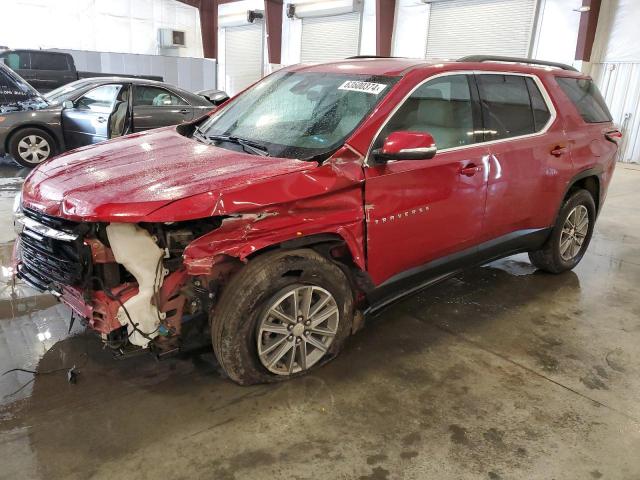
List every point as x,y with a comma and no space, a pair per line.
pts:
131,177
28,104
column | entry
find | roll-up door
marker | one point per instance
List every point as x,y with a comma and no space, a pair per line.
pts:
472,27
330,38
243,56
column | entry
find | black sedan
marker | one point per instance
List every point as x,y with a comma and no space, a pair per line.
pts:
92,110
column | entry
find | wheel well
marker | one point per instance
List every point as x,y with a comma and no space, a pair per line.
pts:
332,247
590,184
39,127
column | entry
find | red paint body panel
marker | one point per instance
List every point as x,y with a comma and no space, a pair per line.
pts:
419,210
416,211
328,199
128,178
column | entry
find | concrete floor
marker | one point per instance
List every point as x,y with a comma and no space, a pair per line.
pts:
500,373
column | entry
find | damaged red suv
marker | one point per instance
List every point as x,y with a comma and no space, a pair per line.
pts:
318,195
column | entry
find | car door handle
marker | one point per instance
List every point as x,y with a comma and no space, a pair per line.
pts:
184,111
102,119
470,170
558,151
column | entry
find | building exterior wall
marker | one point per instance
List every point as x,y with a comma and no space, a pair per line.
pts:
615,65
121,26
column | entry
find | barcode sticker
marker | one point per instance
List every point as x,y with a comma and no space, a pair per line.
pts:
365,87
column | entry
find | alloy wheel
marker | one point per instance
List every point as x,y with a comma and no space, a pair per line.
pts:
297,328
34,149
574,232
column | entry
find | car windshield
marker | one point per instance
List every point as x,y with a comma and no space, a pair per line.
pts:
62,93
298,114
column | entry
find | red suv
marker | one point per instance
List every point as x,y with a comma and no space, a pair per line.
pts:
320,194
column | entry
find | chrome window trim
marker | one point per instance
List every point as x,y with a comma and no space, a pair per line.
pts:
545,95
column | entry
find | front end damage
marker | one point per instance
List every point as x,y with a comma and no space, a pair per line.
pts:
147,273
126,281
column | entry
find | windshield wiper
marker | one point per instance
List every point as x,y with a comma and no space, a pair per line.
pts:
248,145
197,133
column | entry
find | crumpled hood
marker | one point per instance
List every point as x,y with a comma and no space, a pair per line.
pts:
131,177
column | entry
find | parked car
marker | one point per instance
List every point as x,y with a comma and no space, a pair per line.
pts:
319,195
15,93
93,110
46,70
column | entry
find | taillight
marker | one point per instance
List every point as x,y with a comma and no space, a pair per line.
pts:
614,136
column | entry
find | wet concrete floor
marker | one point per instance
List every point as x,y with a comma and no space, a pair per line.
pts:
499,373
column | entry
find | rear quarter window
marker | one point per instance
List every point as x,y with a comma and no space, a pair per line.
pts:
587,98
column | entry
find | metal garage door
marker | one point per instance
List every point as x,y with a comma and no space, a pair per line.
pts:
243,56
330,38
470,27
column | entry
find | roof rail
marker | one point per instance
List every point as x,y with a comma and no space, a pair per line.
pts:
497,58
355,57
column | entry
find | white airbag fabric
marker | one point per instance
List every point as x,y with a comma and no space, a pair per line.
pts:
134,248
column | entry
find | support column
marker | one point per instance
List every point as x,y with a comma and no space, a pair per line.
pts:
385,18
273,14
587,30
209,27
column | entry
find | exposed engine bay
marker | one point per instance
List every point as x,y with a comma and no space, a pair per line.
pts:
126,281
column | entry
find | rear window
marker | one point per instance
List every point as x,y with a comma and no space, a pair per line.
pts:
16,60
587,98
48,61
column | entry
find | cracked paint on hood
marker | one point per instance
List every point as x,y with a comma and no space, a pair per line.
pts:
129,178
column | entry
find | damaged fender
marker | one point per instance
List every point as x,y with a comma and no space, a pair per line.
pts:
331,204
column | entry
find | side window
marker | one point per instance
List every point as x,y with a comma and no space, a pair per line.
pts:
587,98
149,96
49,61
541,112
17,60
506,108
99,100
441,107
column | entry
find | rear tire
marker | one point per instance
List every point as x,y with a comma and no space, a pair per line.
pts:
31,146
570,236
247,334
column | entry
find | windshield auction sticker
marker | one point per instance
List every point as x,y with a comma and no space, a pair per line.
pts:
365,87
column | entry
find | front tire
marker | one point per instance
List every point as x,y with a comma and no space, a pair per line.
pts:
570,236
31,146
283,314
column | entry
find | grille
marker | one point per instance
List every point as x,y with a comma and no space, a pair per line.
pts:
49,221
46,260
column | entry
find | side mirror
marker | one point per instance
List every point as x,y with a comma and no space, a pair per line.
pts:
216,97
406,146
67,104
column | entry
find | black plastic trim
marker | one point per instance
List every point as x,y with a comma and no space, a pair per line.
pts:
418,278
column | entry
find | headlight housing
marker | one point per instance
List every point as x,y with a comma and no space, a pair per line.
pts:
18,213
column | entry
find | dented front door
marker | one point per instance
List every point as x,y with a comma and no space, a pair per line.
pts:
420,210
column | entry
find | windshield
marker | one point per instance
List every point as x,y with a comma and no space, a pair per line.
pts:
62,93
297,114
